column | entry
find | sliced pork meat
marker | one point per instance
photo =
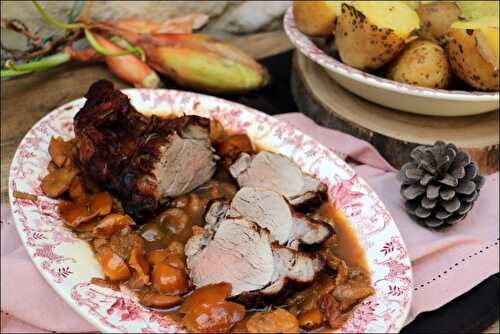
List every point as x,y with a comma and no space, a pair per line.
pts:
291,265
309,231
239,253
313,193
277,172
266,208
268,170
270,210
292,270
216,211
256,236
143,160
185,163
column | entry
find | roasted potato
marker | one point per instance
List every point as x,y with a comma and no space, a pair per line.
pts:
369,34
316,18
436,18
473,52
421,63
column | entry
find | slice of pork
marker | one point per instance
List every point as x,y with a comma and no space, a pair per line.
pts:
292,269
277,172
292,265
266,208
253,244
313,193
309,231
187,162
239,253
270,210
216,211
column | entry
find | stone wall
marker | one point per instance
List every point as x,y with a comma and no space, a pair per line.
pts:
226,17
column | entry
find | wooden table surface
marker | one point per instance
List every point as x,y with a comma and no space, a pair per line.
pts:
26,99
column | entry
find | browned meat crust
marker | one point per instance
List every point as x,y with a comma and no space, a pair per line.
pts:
120,146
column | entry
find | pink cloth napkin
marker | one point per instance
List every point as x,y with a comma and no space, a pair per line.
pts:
446,263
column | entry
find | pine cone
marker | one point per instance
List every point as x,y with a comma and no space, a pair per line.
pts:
440,185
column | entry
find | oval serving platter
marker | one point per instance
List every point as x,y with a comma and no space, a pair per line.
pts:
68,263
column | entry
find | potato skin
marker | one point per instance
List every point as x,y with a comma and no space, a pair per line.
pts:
421,63
363,45
436,18
467,62
314,18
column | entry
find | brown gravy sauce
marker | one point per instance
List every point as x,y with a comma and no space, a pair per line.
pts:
348,247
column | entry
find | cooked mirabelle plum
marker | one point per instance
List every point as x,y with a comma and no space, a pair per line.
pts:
168,279
213,318
206,295
112,264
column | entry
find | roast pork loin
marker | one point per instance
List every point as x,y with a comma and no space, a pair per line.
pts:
277,172
238,253
241,253
253,244
291,265
270,210
143,160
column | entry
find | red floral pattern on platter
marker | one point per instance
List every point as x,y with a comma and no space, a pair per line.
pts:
68,263
119,311
312,51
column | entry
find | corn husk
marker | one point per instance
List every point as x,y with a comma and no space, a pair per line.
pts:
196,60
204,63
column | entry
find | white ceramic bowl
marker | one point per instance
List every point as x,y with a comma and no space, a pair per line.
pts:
389,93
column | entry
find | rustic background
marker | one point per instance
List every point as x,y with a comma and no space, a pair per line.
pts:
227,18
